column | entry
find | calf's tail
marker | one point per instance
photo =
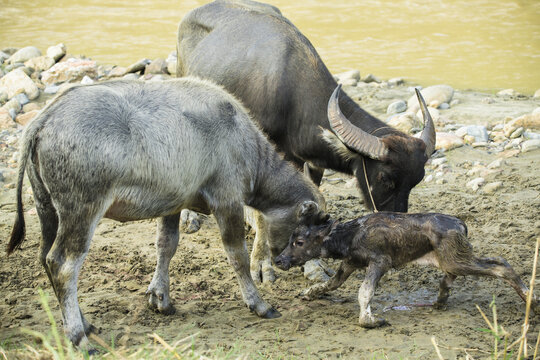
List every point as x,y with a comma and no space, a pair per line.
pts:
26,148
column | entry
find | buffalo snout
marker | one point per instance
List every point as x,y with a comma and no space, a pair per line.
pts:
283,262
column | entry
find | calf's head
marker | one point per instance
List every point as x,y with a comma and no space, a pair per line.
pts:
305,244
387,167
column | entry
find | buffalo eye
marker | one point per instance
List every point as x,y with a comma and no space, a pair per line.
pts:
299,243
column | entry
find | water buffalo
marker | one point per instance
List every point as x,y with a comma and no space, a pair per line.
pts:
134,150
258,55
385,240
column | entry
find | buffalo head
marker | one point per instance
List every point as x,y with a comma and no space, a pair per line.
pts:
387,167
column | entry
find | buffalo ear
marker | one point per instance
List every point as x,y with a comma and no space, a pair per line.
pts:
308,209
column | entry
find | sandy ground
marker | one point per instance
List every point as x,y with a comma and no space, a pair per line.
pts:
120,265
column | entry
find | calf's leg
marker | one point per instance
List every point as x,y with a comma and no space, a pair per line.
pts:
261,264
342,274
231,226
374,272
166,244
444,291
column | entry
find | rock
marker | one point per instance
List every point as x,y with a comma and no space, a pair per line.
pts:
396,81
531,135
405,122
171,63
56,52
428,178
513,144
348,82
371,78
70,71
516,133
17,82
3,96
435,114
22,99
475,183
447,141
130,77
117,71
495,164
138,66
13,105
351,74
530,121
158,66
396,107
31,106
530,145
23,119
479,132
491,187
24,54
86,80
40,63
6,121
480,144
508,92
51,89
3,57
537,94
468,139
438,161
433,95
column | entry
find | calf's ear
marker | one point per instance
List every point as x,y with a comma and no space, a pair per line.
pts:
308,209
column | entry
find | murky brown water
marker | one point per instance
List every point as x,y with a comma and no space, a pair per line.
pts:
480,44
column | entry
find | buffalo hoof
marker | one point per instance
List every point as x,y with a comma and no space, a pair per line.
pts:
440,306
373,323
91,329
272,314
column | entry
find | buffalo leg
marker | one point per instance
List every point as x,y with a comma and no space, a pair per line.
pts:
166,244
64,262
231,226
343,273
444,291
261,263
374,272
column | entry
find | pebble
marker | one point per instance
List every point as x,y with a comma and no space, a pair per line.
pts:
495,164
447,141
434,96
86,80
396,107
16,82
348,82
22,98
31,106
25,118
138,66
469,139
491,187
537,94
476,183
351,74
70,70
517,133
371,78
480,144
396,81
6,121
56,52
477,131
454,102
405,122
428,178
131,76
3,57
530,145
444,106
439,161
171,63
158,66
3,96
440,181
40,63
508,92
531,135
117,71
14,105
24,54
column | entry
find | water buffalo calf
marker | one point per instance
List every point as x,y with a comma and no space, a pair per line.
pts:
386,240
130,150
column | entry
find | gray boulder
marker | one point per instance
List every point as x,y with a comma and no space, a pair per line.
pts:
433,95
24,54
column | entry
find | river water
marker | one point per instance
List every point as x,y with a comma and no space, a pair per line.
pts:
478,44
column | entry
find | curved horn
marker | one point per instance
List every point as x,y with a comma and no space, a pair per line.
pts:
353,136
428,134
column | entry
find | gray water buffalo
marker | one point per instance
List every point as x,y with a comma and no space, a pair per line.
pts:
382,241
134,150
258,55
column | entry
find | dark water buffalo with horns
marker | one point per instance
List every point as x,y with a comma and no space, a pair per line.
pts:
258,55
382,241
134,150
